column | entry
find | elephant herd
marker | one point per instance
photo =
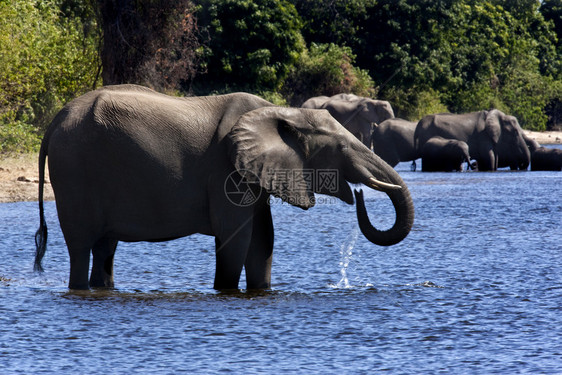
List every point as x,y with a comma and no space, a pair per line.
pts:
485,140
127,163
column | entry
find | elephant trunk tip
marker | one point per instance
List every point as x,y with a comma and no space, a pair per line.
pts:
404,207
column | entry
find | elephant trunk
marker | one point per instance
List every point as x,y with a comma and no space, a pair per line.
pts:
404,207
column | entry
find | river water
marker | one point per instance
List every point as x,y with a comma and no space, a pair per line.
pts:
475,288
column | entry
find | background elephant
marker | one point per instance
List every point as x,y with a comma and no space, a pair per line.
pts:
315,102
494,139
542,158
546,159
345,96
358,116
444,155
129,164
393,141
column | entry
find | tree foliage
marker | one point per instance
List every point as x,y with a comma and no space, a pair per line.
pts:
326,69
468,54
46,59
251,45
149,42
423,56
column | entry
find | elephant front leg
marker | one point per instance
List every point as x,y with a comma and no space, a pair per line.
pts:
102,268
487,161
258,260
231,249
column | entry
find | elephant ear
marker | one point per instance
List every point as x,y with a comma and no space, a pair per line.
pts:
270,146
492,125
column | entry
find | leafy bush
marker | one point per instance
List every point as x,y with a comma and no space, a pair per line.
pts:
17,137
251,46
45,61
413,105
326,69
527,94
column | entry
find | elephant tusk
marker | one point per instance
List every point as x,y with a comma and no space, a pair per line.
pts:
381,186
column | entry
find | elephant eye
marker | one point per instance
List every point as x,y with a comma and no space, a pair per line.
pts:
343,146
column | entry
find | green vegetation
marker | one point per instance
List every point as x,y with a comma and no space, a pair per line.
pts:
45,61
252,44
423,56
325,69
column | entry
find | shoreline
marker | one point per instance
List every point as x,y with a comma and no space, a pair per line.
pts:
19,179
545,138
19,174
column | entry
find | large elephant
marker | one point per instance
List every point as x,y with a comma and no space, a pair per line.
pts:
358,116
494,139
444,155
393,141
129,164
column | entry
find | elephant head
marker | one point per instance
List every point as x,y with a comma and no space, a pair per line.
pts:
358,116
511,148
532,145
377,110
289,150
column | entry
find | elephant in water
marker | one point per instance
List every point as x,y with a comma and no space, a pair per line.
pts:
393,141
356,114
444,155
494,139
129,164
546,159
543,158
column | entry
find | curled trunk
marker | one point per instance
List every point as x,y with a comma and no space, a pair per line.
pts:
404,208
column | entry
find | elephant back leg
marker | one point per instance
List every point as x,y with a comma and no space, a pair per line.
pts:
79,265
258,260
102,268
78,228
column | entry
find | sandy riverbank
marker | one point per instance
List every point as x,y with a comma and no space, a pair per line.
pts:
19,179
545,138
19,175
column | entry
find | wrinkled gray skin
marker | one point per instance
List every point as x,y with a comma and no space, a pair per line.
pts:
345,96
129,164
357,115
444,155
315,102
393,141
494,139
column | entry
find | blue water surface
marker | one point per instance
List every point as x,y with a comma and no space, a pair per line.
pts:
475,288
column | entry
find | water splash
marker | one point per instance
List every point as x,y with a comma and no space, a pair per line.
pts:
346,252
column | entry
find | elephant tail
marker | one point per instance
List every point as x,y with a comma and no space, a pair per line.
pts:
41,234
